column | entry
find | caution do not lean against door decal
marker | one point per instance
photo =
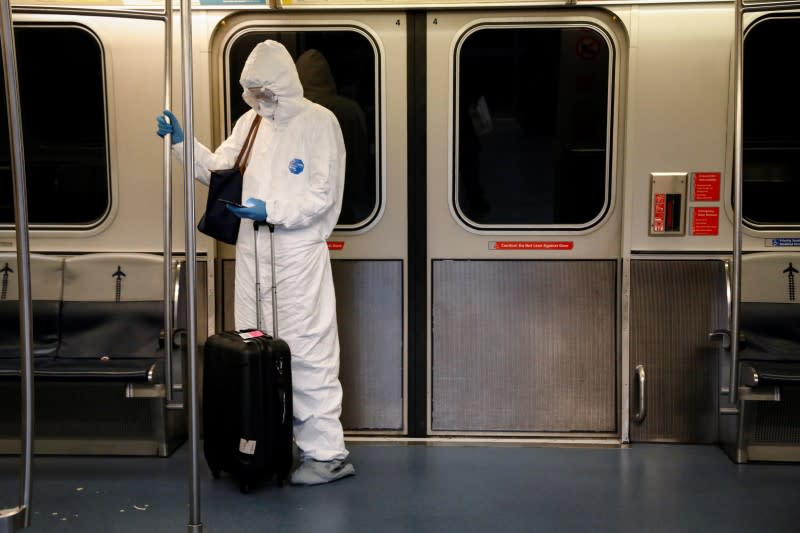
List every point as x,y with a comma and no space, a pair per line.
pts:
530,245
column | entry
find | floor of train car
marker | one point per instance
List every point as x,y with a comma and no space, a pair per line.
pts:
418,488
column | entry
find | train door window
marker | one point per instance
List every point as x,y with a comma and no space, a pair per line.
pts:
771,136
62,102
338,69
532,119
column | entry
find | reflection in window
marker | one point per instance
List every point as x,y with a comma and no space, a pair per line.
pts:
771,158
532,121
62,101
338,71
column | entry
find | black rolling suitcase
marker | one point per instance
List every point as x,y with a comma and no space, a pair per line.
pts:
247,400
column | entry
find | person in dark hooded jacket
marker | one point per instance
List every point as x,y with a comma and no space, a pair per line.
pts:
319,86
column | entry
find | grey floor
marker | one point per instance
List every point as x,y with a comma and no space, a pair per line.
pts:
417,488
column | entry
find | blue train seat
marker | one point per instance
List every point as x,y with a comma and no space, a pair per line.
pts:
98,356
46,294
112,319
769,358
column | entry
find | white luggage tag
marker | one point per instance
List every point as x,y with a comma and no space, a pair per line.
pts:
247,446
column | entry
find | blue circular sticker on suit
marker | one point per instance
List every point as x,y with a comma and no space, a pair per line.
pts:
296,166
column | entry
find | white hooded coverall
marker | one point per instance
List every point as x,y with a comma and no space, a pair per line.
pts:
297,166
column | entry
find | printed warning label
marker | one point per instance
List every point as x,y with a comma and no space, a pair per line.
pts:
705,221
659,209
530,245
706,186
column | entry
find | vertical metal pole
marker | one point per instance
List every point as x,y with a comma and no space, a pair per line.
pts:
168,326
195,525
12,519
737,201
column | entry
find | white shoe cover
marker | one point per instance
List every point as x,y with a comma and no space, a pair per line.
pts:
312,472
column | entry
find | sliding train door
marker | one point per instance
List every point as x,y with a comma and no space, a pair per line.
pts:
354,64
523,223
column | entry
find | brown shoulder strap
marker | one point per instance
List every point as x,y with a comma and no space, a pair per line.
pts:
244,154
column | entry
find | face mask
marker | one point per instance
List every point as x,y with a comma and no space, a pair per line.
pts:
265,99
263,94
266,109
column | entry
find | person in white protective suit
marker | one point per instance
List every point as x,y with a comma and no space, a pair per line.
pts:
294,180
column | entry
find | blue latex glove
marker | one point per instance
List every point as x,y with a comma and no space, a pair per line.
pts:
172,126
255,210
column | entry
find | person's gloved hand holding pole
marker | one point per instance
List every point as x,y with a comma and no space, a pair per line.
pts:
172,126
254,209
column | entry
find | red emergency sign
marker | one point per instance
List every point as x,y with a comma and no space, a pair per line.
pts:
335,245
705,221
706,186
659,211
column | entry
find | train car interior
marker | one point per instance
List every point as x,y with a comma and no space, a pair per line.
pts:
565,266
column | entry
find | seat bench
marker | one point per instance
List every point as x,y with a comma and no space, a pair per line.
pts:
768,428
97,330
760,373
51,369
125,370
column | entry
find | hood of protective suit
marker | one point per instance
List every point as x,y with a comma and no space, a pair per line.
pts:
270,66
315,75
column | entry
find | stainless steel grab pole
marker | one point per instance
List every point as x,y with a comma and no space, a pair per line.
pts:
195,525
168,325
19,517
736,284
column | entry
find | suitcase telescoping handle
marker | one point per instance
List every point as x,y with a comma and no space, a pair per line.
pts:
256,225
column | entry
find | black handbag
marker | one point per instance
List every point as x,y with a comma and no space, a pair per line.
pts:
226,184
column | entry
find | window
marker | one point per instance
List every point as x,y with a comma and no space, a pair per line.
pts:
62,101
771,137
353,63
532,123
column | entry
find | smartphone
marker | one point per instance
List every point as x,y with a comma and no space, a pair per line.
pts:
224,201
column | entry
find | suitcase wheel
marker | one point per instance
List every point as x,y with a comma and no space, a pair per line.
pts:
215,474
244,488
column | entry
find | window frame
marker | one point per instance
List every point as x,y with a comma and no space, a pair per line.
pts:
762,229
379,207
611,120
93,225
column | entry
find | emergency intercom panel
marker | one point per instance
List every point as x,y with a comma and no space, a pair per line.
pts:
668,203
